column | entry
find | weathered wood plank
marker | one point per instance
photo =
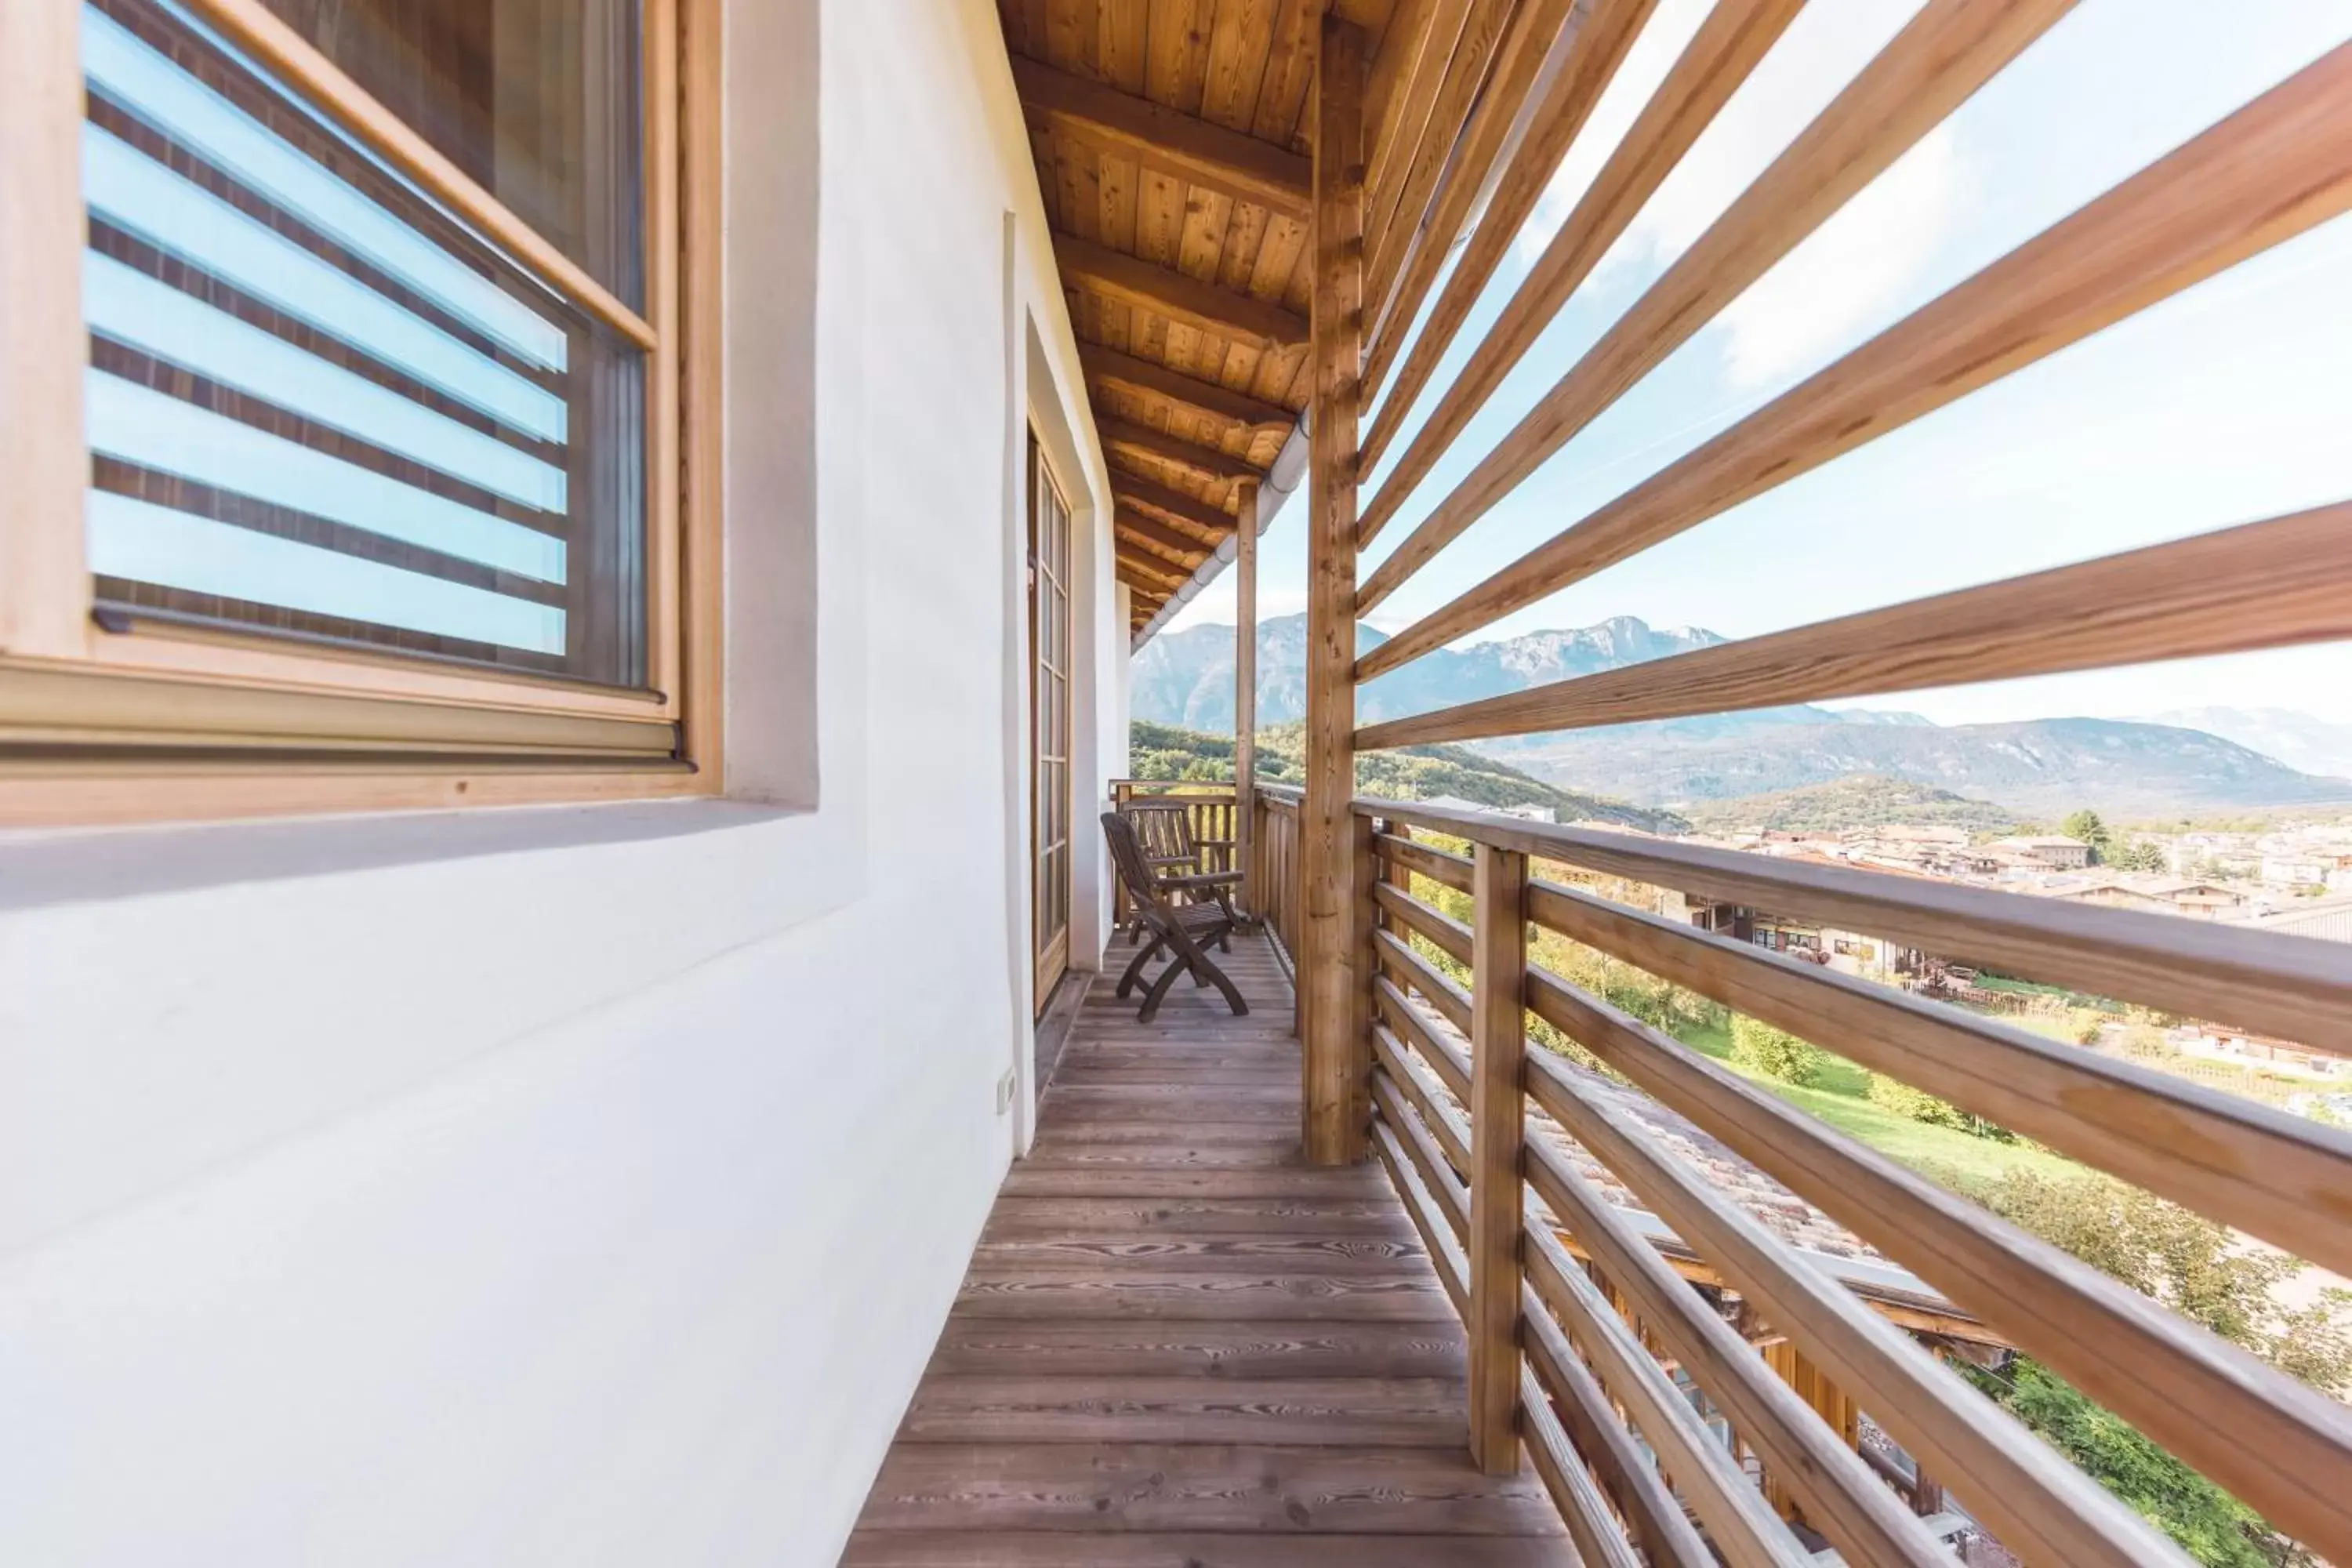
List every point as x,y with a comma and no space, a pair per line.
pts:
1004,1549
1290,1491
1200,151
1360,1411
1171,1347
1011,1290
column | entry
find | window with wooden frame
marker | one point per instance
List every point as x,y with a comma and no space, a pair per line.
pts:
344,378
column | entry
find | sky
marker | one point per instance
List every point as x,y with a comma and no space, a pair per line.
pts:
2227,404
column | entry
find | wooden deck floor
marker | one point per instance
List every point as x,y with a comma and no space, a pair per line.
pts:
1179,1345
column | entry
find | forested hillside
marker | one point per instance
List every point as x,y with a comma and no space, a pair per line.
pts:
1414,772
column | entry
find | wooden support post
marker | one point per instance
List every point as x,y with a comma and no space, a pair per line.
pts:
1245,695
1498,1116
1334,992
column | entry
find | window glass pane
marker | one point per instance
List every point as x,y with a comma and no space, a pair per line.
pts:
319,405
537,99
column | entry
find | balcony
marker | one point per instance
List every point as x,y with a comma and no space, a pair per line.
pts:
1715,1327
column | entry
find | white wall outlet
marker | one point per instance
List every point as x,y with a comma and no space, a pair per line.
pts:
1006,1084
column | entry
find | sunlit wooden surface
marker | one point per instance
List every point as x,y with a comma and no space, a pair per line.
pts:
1180,1345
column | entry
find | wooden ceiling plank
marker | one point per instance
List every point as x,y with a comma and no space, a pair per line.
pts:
2276,168
1174,503
1591,64
1213,461
1135,563
1728,46
1145,375
1200,151
1203,306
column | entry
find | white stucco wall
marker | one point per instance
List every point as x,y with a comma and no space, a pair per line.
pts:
587,1185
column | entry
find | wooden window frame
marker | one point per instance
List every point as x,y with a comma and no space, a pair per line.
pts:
207,722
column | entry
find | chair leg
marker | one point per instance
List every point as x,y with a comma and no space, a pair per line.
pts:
1151,998
1135,967
1217,976
1182,950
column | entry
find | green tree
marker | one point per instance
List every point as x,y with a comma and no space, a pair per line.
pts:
1776,1053
2139,855
2085,826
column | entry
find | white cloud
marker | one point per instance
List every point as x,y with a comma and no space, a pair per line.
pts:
1848,270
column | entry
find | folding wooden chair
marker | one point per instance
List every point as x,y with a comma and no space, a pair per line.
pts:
1164,828
1183,929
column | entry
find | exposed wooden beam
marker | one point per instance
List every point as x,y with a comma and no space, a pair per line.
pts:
1335,850
1399,194
1202,397
1198,150
1217,463
1245,695
1220,312
1175,503
1149,530
2277,167
1140,567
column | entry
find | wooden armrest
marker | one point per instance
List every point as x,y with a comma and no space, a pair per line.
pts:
1216,843
1204,880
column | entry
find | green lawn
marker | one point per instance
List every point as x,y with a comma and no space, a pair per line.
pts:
1840,1097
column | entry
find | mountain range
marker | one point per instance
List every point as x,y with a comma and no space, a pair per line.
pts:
2034,767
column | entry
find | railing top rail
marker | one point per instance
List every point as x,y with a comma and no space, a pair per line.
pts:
2298,988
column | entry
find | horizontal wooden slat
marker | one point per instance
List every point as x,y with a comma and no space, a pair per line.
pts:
1728,45
1420,1087
1186,1549
1553,124
2275,169
1418,249
1141,567
1773,1419
1438,865
2260,585
2296,988
1600,1435
1451,1194
2270,1440
1197,151
1598,1535
1445,1057
1941,57
1397,198
1221,312
2036,1503
1108,364
2282,1177
1449,935
1174,503
1448,998
1445,1248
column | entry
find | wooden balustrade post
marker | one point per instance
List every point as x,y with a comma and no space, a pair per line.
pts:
1334,989
1499,1054
1245,693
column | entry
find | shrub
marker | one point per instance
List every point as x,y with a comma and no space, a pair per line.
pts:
1893,1094
1776,1053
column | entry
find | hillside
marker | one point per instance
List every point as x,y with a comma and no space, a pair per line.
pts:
1414,773
2040,768
1867,800
2298,740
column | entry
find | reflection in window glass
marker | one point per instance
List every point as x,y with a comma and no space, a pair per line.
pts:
317,405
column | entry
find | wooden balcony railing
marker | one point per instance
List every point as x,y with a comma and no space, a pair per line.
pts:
1575,1316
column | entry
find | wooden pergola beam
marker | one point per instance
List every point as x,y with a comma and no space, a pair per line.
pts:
1212,461
1151,530
1200,151
1141,561
1207,398
1175,503
1205,308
